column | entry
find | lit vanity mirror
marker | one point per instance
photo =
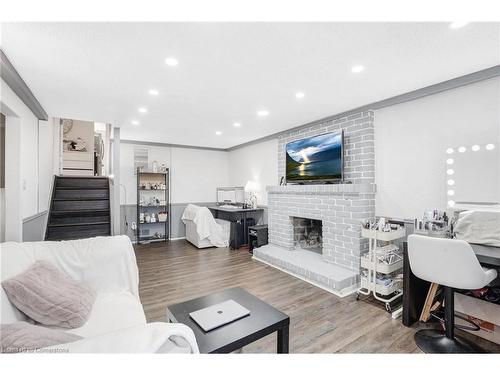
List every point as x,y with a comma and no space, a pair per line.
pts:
473,175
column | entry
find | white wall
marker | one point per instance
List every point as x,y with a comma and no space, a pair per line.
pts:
21,134
29,162
411,140
2,178
28,145
48,152
195,174
258,162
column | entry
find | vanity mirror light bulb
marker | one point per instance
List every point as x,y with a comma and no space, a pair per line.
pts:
451,203
451,193
449,161
450,172
490,146
451,182
449,150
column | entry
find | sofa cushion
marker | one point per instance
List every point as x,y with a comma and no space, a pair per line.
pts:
50,297
112,312
24,337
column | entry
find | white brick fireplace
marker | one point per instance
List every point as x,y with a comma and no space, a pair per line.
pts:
340,207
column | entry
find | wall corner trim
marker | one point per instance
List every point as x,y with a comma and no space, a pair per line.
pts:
12,78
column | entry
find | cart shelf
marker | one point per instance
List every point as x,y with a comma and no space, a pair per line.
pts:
383,236
384,290
381,266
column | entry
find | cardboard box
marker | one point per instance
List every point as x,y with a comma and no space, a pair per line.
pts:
483,313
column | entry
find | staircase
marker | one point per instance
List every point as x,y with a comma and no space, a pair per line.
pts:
80,208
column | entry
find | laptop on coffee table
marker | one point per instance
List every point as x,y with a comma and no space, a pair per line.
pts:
219,314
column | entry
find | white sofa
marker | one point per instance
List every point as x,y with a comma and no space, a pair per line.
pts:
107,264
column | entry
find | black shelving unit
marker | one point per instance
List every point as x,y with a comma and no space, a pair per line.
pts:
153,201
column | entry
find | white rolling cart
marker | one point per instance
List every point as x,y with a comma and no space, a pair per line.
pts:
380,260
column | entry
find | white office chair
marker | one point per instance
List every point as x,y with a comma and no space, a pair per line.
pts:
452,264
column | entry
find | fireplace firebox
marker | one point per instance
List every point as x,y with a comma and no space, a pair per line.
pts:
308,234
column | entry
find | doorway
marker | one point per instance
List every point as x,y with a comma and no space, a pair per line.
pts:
85,148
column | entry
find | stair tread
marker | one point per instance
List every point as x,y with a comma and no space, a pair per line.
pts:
78,224
81,199
83,177
81,188
79,237
85,210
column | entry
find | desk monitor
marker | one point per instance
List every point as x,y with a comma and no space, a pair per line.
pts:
231,195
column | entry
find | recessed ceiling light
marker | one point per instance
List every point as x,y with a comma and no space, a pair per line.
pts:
357,68
490,146
450,172
218,132
451,182
237,124
449,150
134,122
263,113
450,192
462,149
457,24
142,109
449,161
170,61
300,95
476,148
154,92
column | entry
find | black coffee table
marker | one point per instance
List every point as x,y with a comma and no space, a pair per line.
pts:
262,321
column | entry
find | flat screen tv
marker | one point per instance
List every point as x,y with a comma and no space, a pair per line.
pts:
317,159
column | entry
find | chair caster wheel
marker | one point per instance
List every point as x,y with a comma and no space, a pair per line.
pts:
388,307
357,296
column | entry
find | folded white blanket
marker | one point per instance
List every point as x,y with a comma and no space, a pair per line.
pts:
480,227
206,226
145,338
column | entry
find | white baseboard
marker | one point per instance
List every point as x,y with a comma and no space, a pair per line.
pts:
343,293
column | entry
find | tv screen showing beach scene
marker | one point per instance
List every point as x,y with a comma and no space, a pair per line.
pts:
315,158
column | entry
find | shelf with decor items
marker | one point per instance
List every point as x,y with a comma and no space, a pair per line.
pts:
153,206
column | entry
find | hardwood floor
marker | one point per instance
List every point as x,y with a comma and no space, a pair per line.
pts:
320,321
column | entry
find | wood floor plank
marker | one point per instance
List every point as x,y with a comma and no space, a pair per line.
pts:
320,322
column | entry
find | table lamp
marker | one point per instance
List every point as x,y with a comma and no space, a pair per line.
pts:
251,187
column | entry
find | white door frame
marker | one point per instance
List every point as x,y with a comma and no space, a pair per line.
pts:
13,183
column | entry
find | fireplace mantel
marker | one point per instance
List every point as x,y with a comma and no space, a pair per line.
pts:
325,189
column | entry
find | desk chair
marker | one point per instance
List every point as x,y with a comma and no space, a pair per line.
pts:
452,264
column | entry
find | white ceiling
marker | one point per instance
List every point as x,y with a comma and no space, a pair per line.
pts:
229,71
